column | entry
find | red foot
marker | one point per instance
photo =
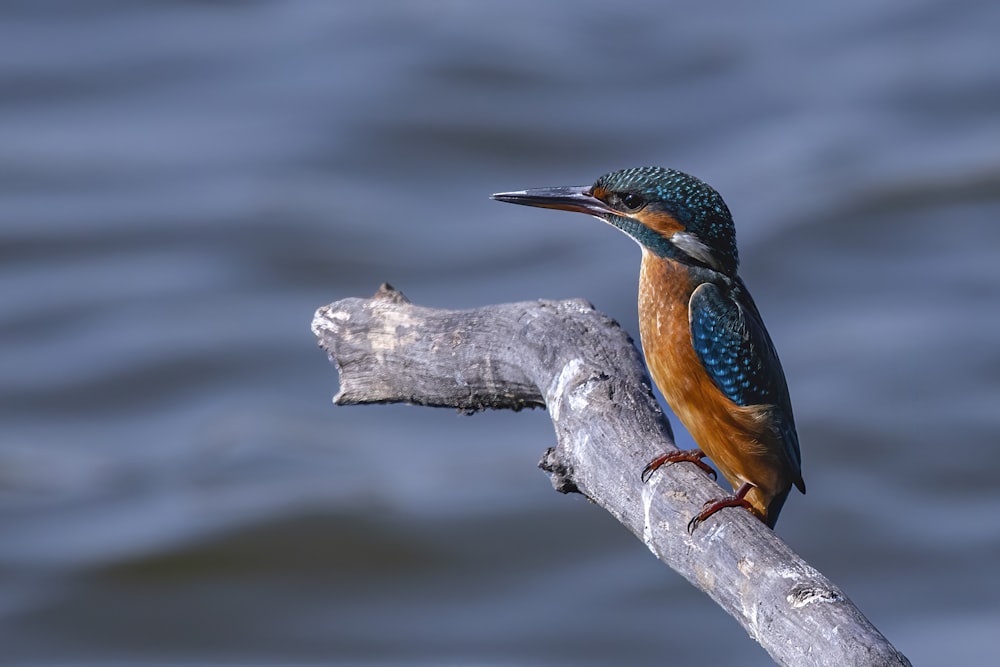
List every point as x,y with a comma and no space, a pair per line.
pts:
712,506
694,456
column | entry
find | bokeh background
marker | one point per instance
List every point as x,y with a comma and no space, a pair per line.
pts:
183,184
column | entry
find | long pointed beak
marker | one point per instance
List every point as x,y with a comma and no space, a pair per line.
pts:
573,198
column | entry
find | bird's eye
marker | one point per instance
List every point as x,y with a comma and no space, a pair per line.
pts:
631,201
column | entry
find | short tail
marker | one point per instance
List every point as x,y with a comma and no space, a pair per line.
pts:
774,507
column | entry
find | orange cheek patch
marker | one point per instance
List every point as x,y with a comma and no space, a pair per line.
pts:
661,222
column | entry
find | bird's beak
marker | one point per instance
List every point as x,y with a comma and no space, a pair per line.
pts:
572,198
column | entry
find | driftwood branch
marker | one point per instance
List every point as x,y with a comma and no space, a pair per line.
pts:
585,369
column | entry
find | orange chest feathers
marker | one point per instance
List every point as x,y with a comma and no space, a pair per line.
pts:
665,290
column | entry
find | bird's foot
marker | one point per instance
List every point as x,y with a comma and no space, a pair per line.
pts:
738,499
694,456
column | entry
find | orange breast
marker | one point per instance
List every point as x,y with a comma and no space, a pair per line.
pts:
740,440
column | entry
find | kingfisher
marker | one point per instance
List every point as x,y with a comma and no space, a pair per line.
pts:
703,338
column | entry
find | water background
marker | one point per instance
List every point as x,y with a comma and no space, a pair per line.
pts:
183,184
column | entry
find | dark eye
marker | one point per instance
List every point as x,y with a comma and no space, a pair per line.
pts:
632,201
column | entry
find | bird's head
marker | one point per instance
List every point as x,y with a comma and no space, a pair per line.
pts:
667,212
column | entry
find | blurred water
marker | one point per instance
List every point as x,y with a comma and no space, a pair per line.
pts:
182,184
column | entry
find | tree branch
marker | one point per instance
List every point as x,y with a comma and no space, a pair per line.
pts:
586,370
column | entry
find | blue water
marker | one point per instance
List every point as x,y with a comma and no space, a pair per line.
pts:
183,184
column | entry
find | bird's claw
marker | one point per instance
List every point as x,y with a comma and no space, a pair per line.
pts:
716,504
694,456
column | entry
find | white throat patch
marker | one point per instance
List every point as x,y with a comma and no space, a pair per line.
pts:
690,245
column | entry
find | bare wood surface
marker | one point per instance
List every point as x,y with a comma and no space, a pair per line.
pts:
585,369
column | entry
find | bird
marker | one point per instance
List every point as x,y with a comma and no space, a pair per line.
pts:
703,338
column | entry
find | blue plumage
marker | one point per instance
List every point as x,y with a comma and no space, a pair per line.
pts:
736,351
729,346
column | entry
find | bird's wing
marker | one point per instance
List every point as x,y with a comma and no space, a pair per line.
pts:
736,350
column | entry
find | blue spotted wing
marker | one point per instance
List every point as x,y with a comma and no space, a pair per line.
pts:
736,351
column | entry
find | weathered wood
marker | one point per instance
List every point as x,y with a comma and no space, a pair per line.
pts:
586,370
